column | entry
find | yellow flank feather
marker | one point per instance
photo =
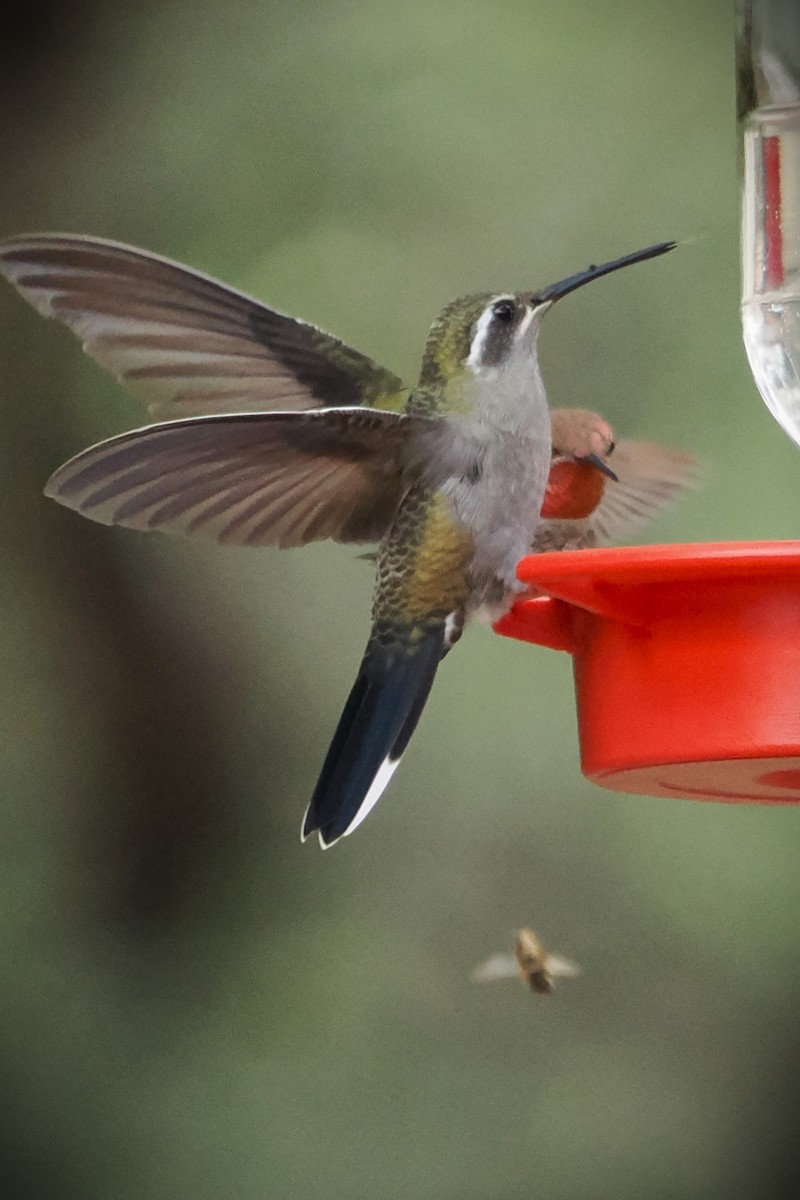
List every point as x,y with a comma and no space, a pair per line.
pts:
422,567
438,582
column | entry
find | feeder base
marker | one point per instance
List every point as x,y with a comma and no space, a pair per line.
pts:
739,780
686,662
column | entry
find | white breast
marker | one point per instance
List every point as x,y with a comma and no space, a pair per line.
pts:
501,511
500,500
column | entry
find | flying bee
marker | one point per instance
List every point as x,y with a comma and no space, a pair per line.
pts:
530,962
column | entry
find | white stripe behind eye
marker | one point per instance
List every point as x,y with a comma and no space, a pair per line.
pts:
474,361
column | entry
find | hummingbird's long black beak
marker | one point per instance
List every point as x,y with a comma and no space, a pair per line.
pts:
556,290
594,460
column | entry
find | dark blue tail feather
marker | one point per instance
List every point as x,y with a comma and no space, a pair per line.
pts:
381,713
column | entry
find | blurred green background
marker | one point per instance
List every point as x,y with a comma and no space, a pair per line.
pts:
194,1004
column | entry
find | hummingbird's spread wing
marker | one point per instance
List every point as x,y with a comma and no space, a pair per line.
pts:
650,477
187,343
255,479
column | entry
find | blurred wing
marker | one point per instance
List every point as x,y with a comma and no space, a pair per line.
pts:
649,478
190,345
255,479
561,968
499,966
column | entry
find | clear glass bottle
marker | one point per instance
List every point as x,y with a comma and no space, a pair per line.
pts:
768,101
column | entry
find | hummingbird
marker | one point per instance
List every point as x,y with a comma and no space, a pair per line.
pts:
586,503
273,432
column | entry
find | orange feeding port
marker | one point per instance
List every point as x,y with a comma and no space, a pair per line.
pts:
686,662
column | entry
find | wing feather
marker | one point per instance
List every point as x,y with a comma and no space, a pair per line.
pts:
252,479
650,478
188,343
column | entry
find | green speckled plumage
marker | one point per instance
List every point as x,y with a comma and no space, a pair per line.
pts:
446,351
423,562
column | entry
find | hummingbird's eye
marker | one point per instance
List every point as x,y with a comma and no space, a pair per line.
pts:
504,310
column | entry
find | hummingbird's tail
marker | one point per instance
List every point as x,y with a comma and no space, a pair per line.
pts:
381,713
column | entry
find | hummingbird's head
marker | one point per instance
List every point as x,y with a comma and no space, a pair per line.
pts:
487,333
582,445
581,435
481,334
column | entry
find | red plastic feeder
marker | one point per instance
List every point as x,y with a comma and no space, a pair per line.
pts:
687,664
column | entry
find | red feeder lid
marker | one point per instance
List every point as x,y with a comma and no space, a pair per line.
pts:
686,660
